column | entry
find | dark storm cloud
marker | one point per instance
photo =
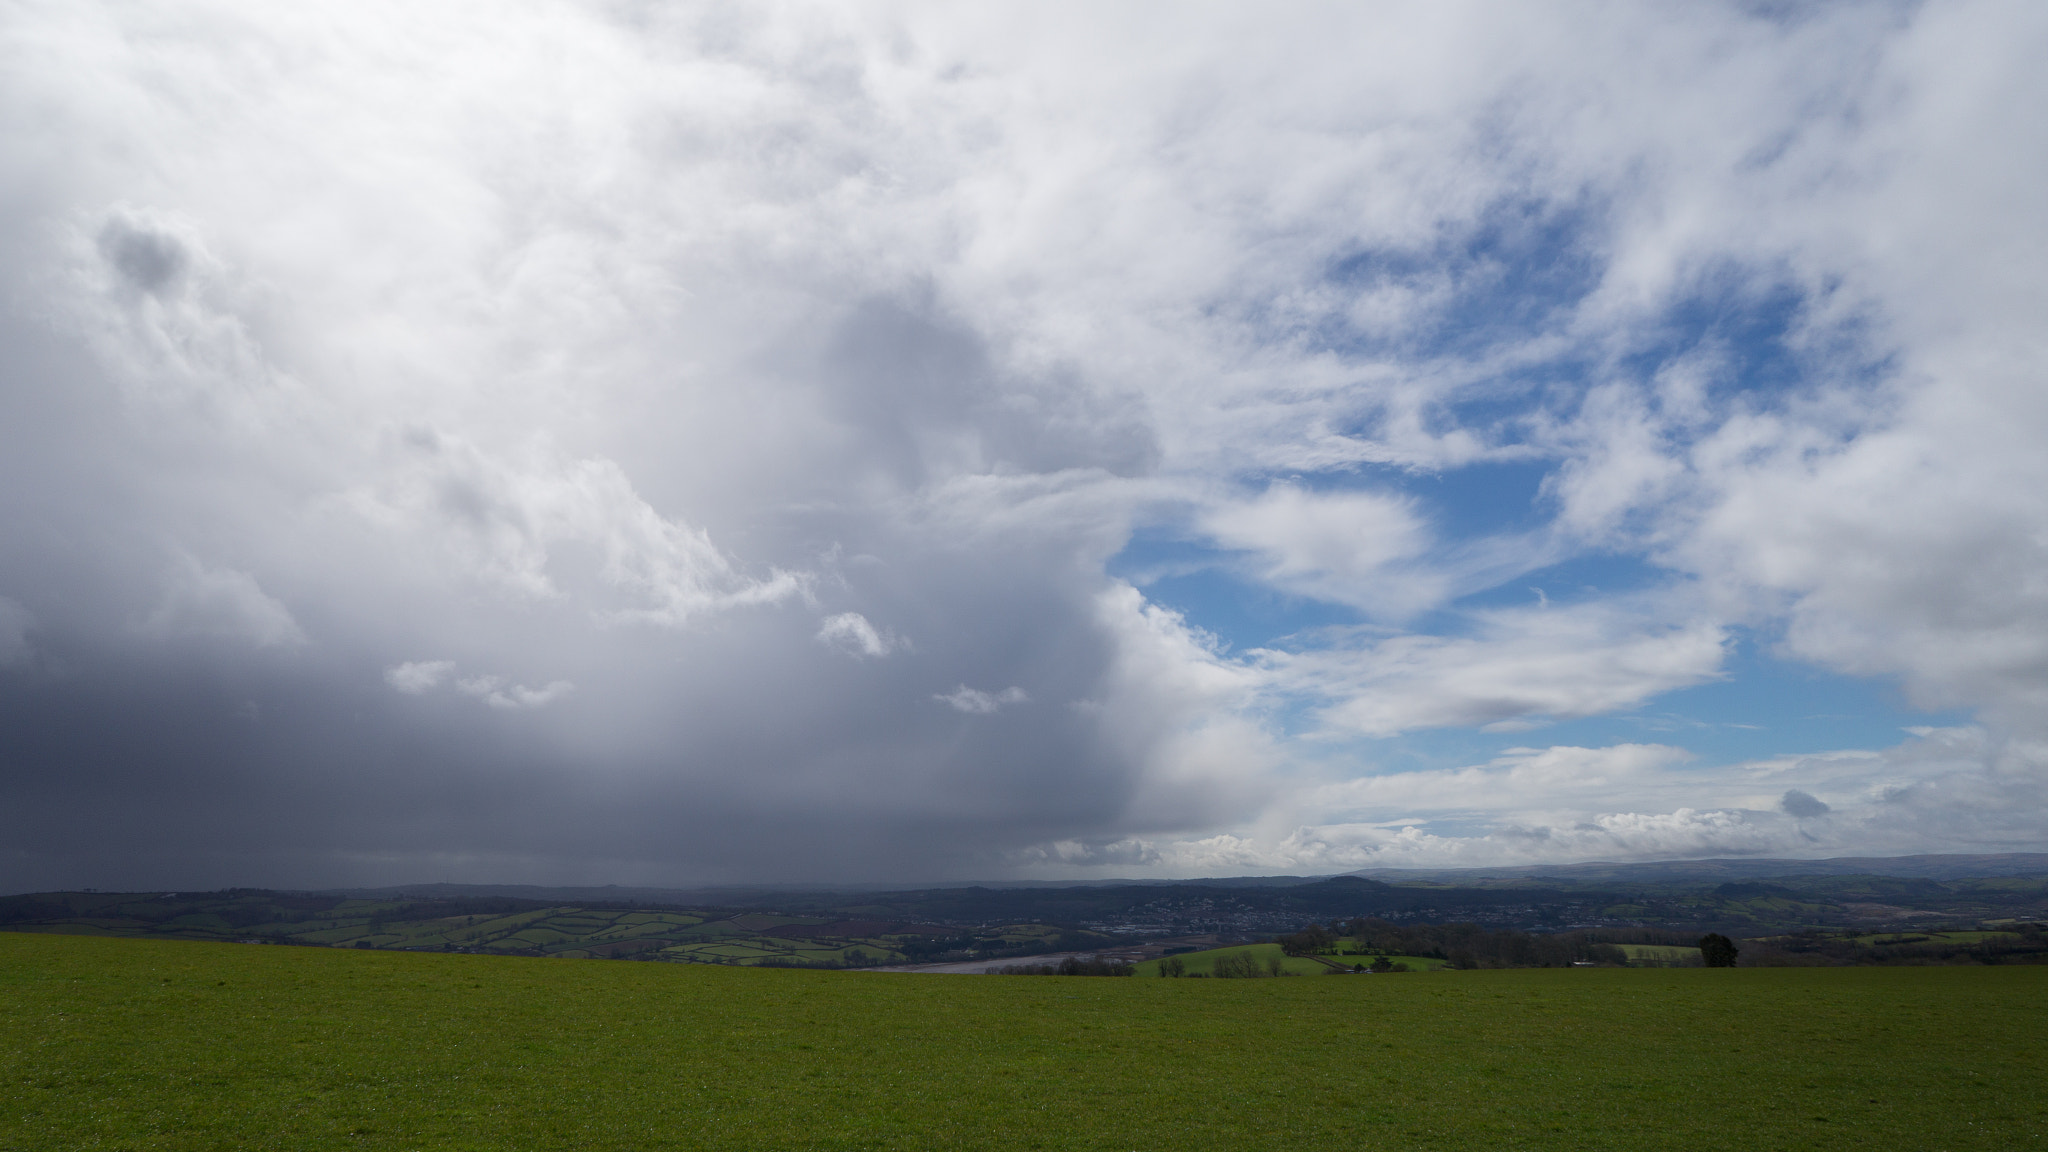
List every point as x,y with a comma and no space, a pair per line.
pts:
147,260
1801,805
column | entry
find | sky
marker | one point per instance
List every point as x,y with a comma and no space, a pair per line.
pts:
683,443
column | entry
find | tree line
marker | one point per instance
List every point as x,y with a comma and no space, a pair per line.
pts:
1463,946
2022,943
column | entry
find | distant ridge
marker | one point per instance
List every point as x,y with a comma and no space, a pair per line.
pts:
1928,867
1752,897
756,895
1949,866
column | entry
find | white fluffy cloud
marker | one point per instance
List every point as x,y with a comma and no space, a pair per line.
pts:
697,357
1941,790
1345,547
851,633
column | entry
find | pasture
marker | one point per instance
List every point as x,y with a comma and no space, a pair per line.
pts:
1661,953
1204,963
143,1044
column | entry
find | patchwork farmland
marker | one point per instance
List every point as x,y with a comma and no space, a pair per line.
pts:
513,928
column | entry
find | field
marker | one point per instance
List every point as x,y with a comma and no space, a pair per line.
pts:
144,1044
1414,963
1204,963
520,928
1661,953
1882,938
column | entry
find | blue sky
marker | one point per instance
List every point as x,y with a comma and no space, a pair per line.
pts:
1522,273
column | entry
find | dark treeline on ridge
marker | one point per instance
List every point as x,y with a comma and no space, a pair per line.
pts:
1466,946
2018,943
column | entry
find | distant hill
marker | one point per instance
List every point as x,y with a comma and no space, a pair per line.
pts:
1930,867
1702,894
508,926
1573,876
769,895
820,928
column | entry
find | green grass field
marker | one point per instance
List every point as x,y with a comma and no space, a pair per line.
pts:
1661,953
1205,962
140,1044
1935,937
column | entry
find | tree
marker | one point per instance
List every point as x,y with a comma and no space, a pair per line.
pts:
1173,966
1307,942
1238,966
1717,951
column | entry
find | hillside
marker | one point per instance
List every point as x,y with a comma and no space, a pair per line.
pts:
1774,904
840,929
503,926
186,1046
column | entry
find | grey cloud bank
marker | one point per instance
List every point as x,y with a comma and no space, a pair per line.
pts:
582,443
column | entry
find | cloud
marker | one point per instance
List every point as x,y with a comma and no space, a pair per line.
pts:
850,632
1801,805
1125,853
148,260
1342,546
1942,790
1227,381
507,522
1517,668
1519,780
418,677
15,623
497,692
223,603
975,702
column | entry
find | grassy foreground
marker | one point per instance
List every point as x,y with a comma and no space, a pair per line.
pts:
133,1044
